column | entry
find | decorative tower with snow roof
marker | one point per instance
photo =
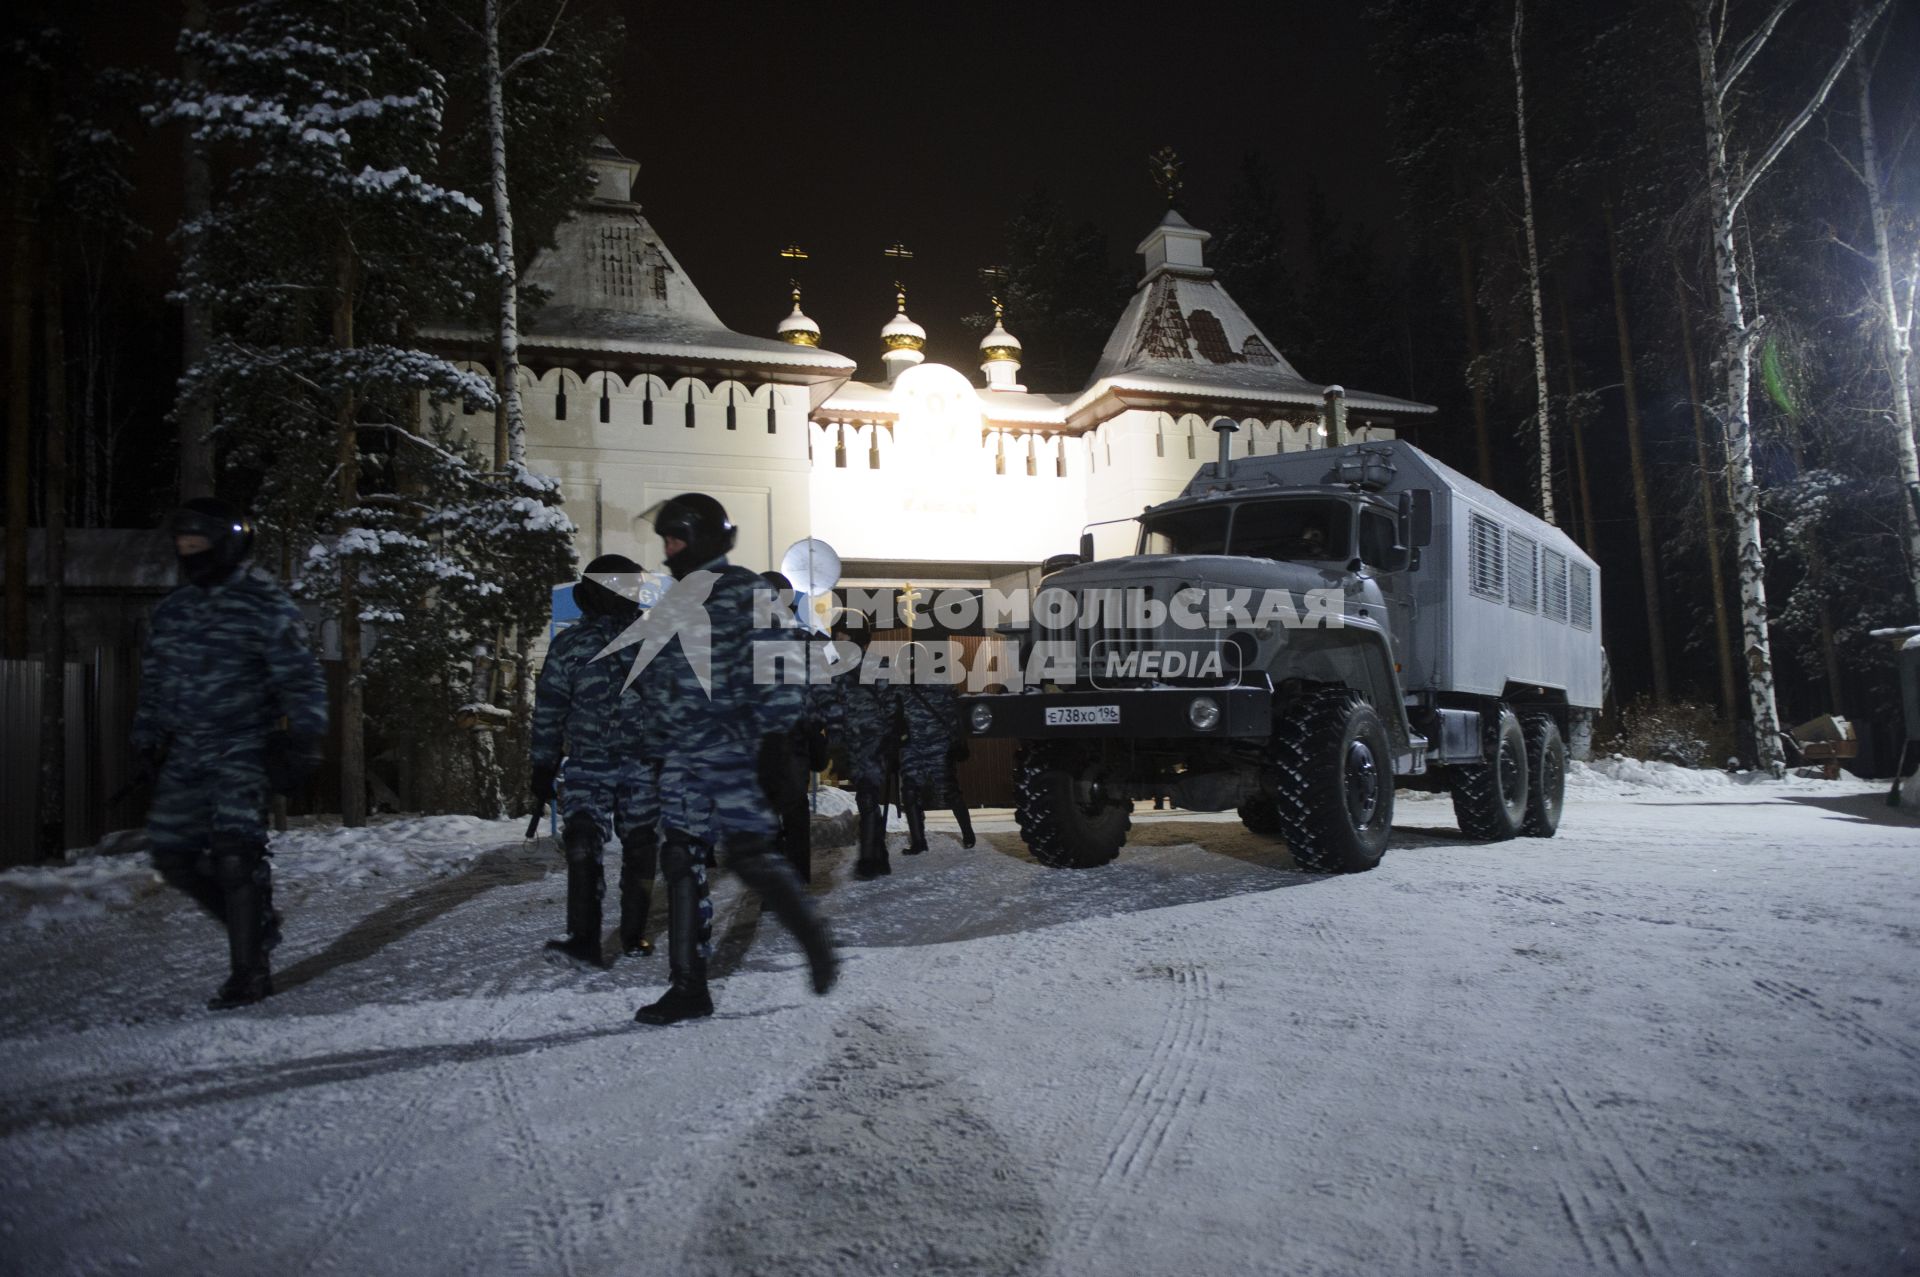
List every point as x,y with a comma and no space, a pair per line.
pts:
1000,354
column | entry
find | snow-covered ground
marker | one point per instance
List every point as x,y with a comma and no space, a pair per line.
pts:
1682,1037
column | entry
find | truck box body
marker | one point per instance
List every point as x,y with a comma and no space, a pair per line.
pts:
1500,597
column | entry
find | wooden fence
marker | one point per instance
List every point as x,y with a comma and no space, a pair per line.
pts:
102,690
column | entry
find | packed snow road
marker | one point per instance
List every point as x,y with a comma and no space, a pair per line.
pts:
1682,1037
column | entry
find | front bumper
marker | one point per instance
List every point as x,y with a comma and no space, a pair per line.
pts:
1159,713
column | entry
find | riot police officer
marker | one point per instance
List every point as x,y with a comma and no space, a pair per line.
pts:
868,721
715,715
930,716
225,658
584,711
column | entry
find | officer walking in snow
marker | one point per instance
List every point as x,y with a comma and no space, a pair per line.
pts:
611,746
788,759
225,658
930,712
868,727
716,716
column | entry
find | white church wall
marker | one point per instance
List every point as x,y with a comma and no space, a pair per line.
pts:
613,471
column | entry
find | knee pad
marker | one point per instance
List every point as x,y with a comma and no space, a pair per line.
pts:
580,837
866,799
177,864
679,855
236,866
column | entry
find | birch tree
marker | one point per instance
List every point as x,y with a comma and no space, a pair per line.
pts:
1543,432
1894,277
1730,180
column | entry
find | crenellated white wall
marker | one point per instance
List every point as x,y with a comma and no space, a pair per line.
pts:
612,472
936,483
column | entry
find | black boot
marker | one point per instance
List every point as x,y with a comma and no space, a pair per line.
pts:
686,997
965,819
241,870
585,885
872,861
639,856
763,870
916,826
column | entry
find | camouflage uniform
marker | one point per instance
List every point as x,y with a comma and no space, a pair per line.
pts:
869,715
932,716
714,737
605,731
222,664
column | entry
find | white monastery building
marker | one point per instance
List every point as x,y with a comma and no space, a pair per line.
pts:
634,390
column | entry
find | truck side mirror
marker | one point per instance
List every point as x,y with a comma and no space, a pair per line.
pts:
1416,517
1086,547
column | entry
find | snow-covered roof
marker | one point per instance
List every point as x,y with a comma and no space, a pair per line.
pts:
1182,334
877,400
615,288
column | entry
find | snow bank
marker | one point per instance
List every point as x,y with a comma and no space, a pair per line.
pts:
1619,777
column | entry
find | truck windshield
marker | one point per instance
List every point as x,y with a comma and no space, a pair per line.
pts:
1299,528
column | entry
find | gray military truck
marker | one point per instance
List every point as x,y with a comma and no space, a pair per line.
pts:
1294,635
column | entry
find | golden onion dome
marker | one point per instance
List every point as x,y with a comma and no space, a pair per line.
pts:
901,333
797,328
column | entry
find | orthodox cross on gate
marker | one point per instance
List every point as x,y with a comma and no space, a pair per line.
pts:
910,596
1165,166
794,251
897,249
995,278
796,254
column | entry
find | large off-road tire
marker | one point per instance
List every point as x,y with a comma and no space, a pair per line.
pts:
1490,798
1261,816
1335,791
1066,811
1546,775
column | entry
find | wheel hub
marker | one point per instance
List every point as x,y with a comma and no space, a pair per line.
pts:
1363,784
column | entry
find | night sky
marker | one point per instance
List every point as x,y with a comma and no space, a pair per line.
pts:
849,126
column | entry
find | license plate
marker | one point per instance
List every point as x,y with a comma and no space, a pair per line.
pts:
1082,715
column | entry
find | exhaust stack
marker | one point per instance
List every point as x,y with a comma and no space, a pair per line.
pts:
1225,427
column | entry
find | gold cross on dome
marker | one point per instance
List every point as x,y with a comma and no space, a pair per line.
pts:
910,595
794,251
897,249
1165,166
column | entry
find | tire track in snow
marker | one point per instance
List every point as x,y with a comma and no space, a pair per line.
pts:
1605,1201
1157,1110
540,1239
396,1144
1841,1020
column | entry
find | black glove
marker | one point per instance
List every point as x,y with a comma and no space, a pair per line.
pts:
544,774
291,760
818,749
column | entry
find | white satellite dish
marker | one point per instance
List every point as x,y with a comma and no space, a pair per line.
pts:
814,568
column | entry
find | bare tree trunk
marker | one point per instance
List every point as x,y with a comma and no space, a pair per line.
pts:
1577,429
195,475
1476,380
20,382
510,428
52,837
1710,506
1543,429
1636,459
1724,197
1897,322
353,743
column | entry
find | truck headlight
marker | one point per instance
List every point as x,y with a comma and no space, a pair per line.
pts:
981,717
1204,713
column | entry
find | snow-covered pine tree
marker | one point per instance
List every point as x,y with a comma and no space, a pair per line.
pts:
323,245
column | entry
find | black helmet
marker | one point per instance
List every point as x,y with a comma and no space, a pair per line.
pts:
229,534
596,598
700,521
